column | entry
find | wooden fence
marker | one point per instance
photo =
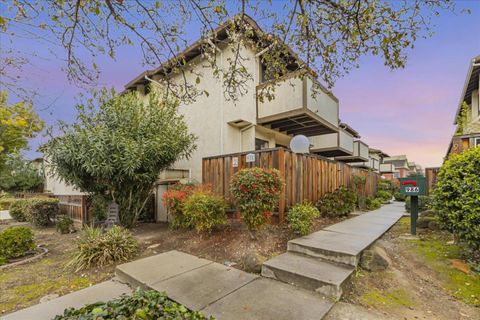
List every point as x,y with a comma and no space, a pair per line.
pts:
74,206
307,177
431,177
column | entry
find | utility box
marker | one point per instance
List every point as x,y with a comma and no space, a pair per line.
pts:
413,186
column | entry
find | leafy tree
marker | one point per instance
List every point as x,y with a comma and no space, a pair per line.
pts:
329,35
456,197
19,174
118,146
18,123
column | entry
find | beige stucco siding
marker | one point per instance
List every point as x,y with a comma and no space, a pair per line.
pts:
208,116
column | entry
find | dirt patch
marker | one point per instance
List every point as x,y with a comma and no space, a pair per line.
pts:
420,283
24,285
229,244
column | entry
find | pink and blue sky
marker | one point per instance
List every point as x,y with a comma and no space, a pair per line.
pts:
408,111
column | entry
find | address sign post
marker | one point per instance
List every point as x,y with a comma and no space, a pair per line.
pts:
413,187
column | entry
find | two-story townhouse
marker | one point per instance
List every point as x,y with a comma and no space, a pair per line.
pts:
467,117
223,126
375,161
400,167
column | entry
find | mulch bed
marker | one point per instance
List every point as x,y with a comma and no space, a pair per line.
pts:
228,244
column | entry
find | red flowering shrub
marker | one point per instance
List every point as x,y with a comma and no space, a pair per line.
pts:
256,191
174,199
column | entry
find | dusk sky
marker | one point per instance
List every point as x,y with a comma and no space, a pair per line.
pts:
409,111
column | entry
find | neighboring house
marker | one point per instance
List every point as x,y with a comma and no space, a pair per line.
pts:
412,168
399,165
53,185
467,117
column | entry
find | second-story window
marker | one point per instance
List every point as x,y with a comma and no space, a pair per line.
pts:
260,144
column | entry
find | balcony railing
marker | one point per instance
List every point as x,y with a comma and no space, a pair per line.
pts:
333,144
298,108
360,153
387,168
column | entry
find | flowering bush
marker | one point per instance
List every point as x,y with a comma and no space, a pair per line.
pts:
256,191
173,200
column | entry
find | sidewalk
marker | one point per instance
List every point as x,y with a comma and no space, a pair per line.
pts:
4,215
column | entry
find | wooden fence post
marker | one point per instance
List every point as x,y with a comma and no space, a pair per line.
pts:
281,167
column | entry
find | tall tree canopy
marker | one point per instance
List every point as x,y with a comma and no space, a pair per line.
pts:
329,35
118,146
19,174
18,123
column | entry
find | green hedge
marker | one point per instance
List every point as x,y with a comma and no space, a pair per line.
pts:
141,305
301,217
384,195
205,211
16,242
456,197
424,203
373,203
341,202
17,210
399,197
6,202
38,211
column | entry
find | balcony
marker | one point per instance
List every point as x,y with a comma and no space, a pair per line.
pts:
333,144
387,168
360,153
372,164
294,110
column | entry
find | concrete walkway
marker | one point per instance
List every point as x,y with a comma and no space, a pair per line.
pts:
324,260
317,265
5,215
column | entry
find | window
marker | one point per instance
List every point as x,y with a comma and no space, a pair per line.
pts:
260,144
396,175
476,141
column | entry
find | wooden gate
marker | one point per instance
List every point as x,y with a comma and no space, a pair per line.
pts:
307,177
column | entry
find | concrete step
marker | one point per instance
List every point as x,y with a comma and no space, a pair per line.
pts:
332,246
309,273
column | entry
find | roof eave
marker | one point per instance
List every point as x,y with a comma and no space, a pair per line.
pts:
474,61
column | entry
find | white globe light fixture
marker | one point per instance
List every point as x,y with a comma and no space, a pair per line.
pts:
300,144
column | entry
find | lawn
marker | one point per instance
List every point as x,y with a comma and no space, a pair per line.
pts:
421,281
24,285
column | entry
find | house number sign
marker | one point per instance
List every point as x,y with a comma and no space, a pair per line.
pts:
250,157
235,162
